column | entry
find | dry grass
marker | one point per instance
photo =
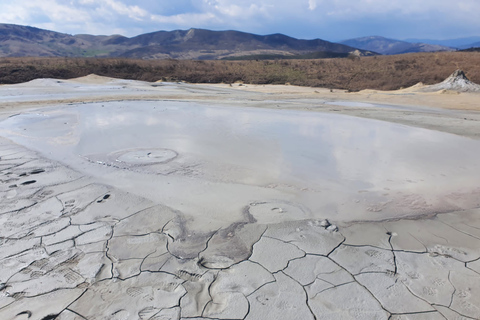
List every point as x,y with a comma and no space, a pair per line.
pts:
380,72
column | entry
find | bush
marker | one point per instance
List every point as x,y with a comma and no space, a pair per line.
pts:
377,72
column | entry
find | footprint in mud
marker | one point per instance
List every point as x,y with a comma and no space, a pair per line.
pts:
70,203
44,194
188,276
11,194
36,274
104,198
429,291
463,294
18,295
134,292
167,286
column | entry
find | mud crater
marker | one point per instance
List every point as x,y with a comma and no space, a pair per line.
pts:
134,158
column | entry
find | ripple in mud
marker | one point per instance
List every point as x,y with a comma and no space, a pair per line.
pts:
131,158
146,156
276,211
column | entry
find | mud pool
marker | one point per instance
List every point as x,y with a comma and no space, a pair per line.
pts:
290,165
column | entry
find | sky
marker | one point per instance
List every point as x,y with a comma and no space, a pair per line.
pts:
333,20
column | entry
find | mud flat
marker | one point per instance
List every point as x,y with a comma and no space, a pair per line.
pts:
130,200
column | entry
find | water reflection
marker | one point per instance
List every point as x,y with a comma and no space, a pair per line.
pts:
341,156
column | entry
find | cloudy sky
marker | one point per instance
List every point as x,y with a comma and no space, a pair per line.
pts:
327,19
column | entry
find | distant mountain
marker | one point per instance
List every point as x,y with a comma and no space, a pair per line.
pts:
18,40
21,41
391,46
460,43
471,45
472,49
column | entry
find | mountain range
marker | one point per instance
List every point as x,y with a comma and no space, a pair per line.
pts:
391,46
23,41
16,40
459,43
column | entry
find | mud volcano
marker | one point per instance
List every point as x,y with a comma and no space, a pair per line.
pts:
168,202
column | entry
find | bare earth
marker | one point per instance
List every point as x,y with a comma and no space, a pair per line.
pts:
107,238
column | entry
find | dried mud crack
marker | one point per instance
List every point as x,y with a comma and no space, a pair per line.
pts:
63,256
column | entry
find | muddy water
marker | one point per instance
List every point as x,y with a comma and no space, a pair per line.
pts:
213,162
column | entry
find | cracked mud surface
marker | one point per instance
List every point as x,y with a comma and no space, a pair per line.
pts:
74,248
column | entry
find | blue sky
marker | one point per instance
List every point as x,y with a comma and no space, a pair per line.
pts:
326,19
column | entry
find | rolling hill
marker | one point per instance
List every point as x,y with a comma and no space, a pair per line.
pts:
22,41
471,45
458,43
391,46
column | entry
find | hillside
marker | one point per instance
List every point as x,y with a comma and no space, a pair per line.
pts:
391,46
472,45
473,49
377,72
458,43
22,41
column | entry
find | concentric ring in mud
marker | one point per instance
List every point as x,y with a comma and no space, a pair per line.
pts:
145,156
133,158
266,212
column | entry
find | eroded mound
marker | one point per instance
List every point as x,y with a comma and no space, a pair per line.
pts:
457,81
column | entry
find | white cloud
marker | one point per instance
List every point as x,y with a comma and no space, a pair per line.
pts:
330,17
24,11
133,12
237,13
185,20
348,8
